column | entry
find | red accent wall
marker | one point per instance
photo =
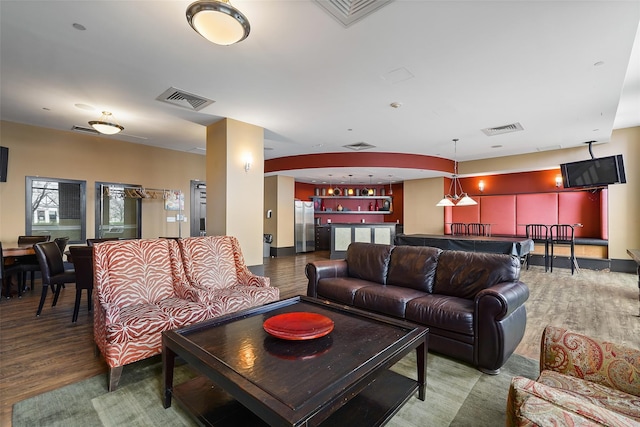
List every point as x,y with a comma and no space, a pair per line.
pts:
465,214
581,207
500,212
535,209
514,183
304,191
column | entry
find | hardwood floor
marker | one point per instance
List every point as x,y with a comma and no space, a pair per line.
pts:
48,352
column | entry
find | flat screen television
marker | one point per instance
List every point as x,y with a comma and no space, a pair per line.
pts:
594,172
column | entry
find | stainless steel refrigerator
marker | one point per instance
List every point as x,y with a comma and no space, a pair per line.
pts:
304,231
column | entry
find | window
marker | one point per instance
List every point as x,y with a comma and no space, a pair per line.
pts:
118,214
56,207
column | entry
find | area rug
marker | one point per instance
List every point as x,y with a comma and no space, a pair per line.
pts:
457,395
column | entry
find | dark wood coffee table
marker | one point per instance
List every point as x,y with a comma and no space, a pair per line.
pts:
251,378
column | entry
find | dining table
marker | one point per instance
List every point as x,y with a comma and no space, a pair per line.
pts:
13,249
11,252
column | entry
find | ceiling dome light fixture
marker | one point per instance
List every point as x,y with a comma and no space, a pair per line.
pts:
456,199
218,21
106,124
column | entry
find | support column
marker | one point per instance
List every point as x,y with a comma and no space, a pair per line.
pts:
235,194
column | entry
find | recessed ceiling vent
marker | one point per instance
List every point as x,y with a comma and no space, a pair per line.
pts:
184,99
514,127
85,129
349,11
359,146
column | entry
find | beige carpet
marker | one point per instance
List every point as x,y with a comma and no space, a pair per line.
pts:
457,395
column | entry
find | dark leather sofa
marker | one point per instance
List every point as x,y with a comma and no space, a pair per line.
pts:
473,303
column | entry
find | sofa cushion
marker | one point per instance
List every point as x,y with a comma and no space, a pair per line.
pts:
413,267
137,321
340,289
464,274
368,261
443,312
531,403
598,394
134,272
209,262
390,300
234,298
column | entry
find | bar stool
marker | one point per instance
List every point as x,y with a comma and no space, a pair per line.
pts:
563,234
477,229
458,229
539,233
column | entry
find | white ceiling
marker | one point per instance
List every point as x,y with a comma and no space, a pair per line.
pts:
556,67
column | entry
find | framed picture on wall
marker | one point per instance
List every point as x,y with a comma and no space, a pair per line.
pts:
174,201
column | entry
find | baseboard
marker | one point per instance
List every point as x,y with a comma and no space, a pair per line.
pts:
285,251
624,265
615,265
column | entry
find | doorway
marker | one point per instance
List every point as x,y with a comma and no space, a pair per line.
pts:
198,214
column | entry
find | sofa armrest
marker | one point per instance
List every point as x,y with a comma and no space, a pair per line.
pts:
502,299
500,321
324,269
601,362
250,279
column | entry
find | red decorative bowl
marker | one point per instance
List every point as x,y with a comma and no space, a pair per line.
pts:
298,326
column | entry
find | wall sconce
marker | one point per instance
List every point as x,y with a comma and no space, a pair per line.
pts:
247,162
558,181
481,186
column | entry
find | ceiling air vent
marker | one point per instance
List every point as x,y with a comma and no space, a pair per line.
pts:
514,127
349,11
359,146
184,99
85,129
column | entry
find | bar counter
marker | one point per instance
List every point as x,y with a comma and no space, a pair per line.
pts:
342,235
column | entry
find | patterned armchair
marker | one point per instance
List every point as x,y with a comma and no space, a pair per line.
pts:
141,289
582,382
216,271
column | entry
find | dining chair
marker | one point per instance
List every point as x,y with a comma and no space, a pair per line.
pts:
62,243
53,273
563,234
82,258
6,271
539,233
477,229
458,229
91,242
29,263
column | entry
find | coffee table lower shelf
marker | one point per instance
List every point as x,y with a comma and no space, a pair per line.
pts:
374,406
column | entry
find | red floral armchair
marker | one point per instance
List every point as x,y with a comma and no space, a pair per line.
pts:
582,382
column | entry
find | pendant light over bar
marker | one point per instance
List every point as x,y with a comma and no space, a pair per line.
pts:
456,199
218,21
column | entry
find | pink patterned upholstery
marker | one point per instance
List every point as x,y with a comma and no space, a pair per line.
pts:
215,268
141,288
583,381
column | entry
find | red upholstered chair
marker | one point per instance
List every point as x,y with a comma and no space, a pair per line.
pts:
215,268
583,381
147,286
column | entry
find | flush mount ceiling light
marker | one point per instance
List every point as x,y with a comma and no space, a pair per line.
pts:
107,125
456,199
218,21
